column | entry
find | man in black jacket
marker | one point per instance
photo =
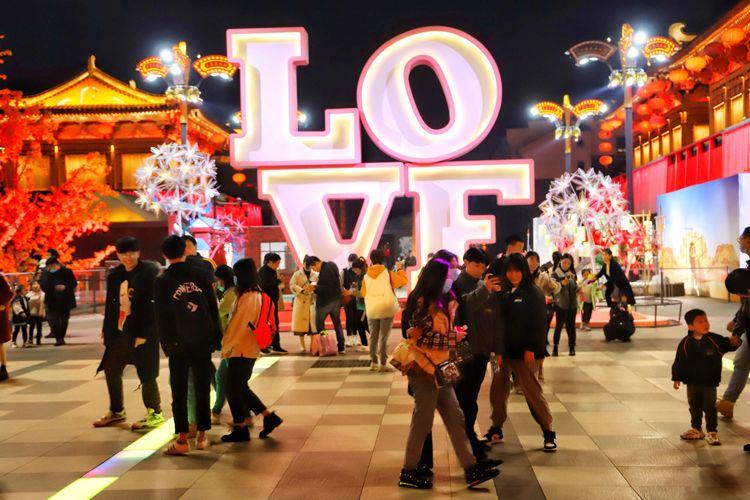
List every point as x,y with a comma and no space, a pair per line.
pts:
129,332
473,371
59,286
269,282
328,301
349,278
187,316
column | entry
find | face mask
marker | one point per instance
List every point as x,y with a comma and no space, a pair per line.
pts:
447,285
220,288
455,273
53,270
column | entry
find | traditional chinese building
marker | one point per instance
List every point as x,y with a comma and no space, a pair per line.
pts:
94,112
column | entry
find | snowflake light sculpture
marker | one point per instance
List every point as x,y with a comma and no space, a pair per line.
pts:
178,180
584,206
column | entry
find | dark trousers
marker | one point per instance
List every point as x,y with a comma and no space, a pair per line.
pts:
467,393
19,328
242,400
567,318
35,322
350,313
702,399
332,309
362,326
588,310
276,342
58,322
182,359
118,356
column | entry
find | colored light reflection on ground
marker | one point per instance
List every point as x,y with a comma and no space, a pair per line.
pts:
103,475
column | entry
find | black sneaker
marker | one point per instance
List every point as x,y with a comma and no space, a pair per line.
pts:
477,474
266,351
550,443
554,350
3,373
572,350
414,479
279,350
494,435
49,336
746,448
489,463
238,435
59,343
269,424
425,470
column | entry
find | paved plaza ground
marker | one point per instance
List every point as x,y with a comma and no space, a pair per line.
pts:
617,417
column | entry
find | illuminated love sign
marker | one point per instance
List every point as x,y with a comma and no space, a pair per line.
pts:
299,194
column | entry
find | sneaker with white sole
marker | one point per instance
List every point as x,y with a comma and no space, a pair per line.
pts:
712,438
374,367
726,408
110,418
385,368
152,420
692,435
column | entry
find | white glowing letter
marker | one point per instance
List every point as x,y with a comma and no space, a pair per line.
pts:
300,196
267,59
470,81
442,206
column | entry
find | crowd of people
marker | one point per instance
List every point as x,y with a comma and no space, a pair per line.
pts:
461,320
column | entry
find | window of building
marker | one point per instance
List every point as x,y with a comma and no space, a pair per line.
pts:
665,146
97,163
719,119
676,138
655,150
130,163
701,132
279,247
637,156
737,109
646,152
35,173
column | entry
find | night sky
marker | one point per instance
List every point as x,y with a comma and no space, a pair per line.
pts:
51,41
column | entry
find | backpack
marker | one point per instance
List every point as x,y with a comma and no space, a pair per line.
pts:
266,327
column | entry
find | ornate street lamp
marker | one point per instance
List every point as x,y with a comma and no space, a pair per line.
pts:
561,116
176,64
630,47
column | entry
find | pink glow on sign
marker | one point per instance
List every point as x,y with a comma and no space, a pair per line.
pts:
468,76
268,60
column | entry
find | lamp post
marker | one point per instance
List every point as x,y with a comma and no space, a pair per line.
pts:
629,49
562,116
177,65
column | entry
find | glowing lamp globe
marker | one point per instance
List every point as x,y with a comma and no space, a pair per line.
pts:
606,147
620,114
679,75
695,63
657,104
643,126
643,109
603,134
239,178
732,37
605,161
656,122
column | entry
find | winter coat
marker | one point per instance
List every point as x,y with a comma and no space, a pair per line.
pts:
269,282
485,324
567,297
621,325
464,285
36,303
546,284
239,339
187,313
64,300
19,307
616,278
226,306
378,291
328,289
698,362
6,295
303,306
524,317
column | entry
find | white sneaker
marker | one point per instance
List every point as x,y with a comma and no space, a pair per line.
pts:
712,438
374,367
385,368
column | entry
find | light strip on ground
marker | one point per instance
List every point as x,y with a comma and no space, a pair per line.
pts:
103,475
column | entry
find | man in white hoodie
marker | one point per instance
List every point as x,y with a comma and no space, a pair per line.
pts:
381,305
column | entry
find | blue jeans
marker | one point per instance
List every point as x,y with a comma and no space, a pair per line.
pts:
334,310
221,386
741,371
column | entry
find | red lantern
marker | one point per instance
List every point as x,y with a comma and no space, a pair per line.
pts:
732,37
643,109
608,126
705,76
656,122
620,114
239,178
738,53
605,161
659,86
679,75
217,139
603,134
714,49
643,92
695,63
719,65
606,147
643,126
657,104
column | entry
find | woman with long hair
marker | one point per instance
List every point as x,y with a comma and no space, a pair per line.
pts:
240,349
429,312
303,307
565,302
616,279
227,293
523,347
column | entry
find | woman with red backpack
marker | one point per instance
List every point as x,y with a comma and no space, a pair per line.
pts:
241,348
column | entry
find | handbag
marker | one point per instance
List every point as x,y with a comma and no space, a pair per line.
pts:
447,373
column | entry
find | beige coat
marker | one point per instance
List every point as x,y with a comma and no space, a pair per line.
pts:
303,307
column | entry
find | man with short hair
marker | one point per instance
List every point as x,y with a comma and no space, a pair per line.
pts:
194,259
269,282
349,279
129,332
187,316
328,301
738,326
59,286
